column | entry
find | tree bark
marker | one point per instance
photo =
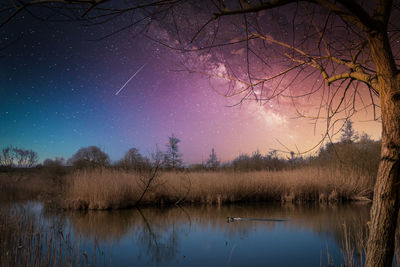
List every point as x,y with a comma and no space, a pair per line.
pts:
385,207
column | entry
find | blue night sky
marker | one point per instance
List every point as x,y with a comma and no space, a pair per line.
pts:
57,94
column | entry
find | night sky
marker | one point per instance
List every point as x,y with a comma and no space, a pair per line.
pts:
58,94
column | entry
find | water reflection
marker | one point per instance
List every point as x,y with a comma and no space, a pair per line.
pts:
198,235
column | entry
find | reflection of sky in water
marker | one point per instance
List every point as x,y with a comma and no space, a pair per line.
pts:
280,246
202,237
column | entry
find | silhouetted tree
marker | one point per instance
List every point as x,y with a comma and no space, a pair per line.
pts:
349,135
25,158
241,163
212,162
7,157
172,157
134,160
57,161
54,168
90,156
361,155
17,157
257,161
292,158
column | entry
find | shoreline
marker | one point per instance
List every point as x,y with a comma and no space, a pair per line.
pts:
114,189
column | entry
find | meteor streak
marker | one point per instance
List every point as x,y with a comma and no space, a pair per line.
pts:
130,79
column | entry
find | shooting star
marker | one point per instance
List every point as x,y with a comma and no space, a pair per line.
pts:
130,79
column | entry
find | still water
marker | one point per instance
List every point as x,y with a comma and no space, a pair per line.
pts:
311,235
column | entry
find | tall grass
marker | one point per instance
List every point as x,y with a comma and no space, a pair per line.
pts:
102,189
27,239
354,244
112,189
36,184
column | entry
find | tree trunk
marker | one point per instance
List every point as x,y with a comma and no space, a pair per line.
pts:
385,207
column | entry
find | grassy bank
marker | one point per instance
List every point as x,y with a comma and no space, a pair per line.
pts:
112,189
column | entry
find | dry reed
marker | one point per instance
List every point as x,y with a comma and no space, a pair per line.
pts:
17,187
354,243
112,189
27,239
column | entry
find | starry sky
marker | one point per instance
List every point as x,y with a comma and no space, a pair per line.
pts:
58,87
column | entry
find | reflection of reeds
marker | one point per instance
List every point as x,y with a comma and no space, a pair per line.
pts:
160,231
27,240
354,240
106,189
104,226
322,219
347,247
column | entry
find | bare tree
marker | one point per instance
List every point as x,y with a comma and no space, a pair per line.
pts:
340,51
17,157
134,160
7,157
26,158
58,161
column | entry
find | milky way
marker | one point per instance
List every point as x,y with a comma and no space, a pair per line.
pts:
58,87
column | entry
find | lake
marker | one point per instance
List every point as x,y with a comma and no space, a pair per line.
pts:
309,235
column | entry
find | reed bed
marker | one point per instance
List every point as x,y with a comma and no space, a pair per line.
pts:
27,239
113,189
354,246
30,186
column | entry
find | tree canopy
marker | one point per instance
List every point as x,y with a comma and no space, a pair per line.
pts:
91,156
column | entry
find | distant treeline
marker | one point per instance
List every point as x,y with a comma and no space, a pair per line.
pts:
352,152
